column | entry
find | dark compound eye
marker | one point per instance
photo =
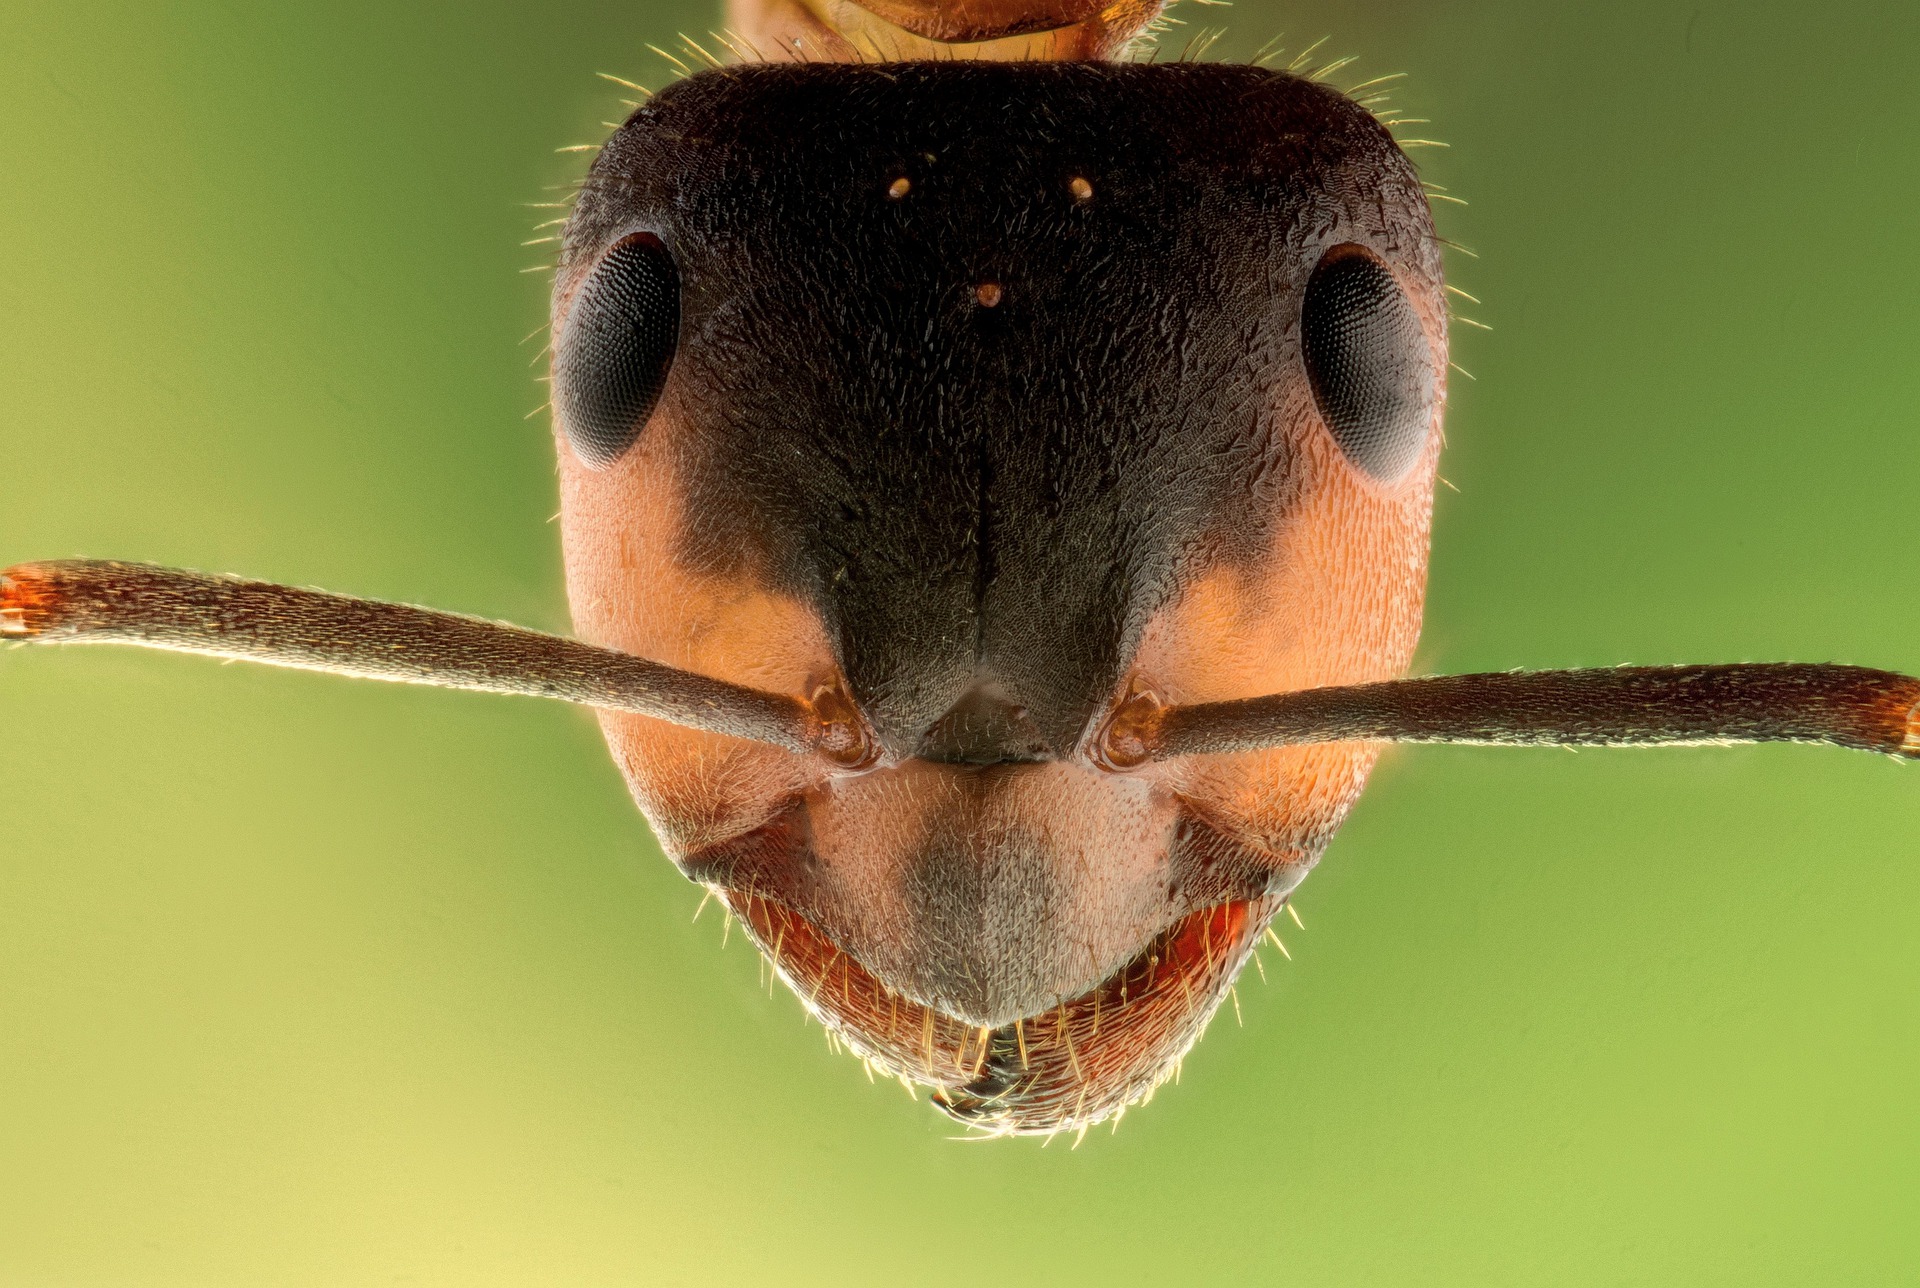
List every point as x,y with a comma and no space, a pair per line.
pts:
1369,363
615,348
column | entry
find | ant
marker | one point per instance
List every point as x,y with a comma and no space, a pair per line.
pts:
995,498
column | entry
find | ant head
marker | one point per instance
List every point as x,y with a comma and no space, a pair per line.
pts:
983,400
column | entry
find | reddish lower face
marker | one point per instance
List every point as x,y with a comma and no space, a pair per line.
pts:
990,893
1081,1060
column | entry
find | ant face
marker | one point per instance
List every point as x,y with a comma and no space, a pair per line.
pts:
983,398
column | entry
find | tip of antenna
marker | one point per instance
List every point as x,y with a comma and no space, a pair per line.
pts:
24,600
1902,718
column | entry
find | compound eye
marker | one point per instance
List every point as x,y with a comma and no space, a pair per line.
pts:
1368,361
615,348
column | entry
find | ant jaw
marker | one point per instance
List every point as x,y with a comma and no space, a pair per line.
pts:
1063,1067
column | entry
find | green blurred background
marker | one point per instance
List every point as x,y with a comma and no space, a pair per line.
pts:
309,982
